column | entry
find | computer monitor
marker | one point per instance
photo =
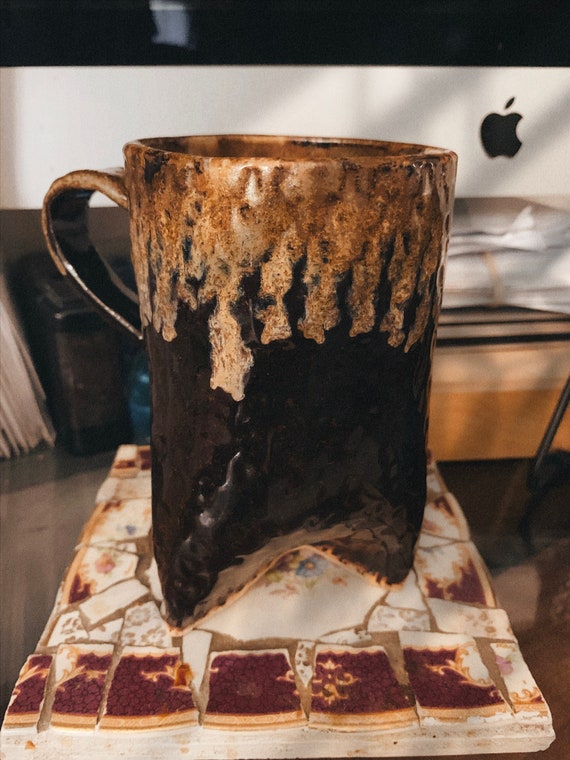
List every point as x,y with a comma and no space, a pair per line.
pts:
488,80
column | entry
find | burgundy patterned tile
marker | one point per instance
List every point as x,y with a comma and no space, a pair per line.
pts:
449,679
28,695
80,675
454,572
252,690
150,689
357,689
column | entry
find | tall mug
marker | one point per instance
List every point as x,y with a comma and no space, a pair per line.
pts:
288,295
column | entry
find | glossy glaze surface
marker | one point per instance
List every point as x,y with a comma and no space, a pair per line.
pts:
289,291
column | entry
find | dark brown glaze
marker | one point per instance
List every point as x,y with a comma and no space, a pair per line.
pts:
327,436
289,291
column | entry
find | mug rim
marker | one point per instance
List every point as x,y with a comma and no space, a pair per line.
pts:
388,150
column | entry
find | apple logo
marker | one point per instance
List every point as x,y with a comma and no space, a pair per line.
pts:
499,133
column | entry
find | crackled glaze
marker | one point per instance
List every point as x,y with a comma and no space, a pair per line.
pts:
208,220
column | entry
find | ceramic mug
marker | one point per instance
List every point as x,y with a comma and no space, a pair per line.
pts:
288,295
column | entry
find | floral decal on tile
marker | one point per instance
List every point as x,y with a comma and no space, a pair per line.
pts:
300,569
95,569
145,626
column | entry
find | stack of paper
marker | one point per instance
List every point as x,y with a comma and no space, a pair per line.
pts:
508,252
24,422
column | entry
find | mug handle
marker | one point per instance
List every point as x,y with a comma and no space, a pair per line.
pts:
65,228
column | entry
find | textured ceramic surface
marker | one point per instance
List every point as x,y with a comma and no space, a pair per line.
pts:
312,660
289,290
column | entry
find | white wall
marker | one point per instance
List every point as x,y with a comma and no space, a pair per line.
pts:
54,120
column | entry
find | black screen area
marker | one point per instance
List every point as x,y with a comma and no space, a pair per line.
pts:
328,32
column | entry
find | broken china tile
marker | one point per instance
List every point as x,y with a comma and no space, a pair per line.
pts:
443,517
304,657
144,626
150,689
111,601
153,581
195,651
452,617
355,635
449,679
252,689
94,569
80,675
454,572
523,693
29,692
119,520
106,632
292,600
126,461
357,689
68,629
385,618
406,594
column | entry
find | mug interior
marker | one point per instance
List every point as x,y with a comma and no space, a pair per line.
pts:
286,148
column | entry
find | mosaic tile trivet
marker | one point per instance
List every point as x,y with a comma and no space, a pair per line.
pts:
313,660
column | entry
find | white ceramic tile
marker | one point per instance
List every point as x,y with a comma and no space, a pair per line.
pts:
68,654
145,627
101,567
107,632
195,652
304,655
68,628
453,571
107,490
151,577
293,600
392,619
406,594
133,488
124,520
434,485
524,695
123,546
347,636
443,517
109,602
427,540
453,617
